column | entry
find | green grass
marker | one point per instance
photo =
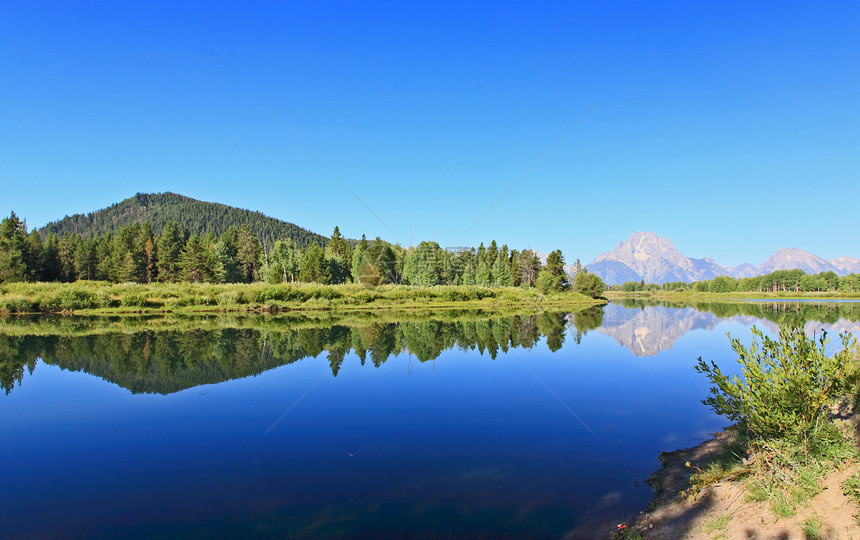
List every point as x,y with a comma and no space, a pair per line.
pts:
813,527
717,524
787,474
728,464
851,488
103,297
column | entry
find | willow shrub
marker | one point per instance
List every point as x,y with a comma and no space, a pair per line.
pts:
785,385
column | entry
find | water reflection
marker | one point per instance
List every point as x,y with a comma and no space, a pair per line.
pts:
646,332
648,327
191,352
169,361
461,443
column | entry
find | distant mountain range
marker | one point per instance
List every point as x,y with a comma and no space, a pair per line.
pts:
646,256
198,217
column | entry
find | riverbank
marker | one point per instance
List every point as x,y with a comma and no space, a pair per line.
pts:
728,509
693,296
92,297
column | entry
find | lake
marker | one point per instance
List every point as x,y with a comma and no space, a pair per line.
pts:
454,424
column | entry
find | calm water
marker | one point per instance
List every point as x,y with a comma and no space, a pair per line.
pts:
526,426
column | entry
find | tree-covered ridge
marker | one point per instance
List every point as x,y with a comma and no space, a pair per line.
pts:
196,217
169,361
786,281
138,253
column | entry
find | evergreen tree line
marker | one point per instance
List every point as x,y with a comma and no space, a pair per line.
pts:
138,254
778,281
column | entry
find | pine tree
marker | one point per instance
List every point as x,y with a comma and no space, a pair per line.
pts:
145,244
34,255
336,244
14,250
194,261
248,251
515,268
86,259
502,272
468,277
492,253
553,277
52,268
483,276
529,265
314,268
168,252
225,269
423,265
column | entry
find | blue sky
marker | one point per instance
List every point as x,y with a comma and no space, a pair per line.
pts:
731,128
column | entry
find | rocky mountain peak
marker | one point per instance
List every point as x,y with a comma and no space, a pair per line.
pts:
646,256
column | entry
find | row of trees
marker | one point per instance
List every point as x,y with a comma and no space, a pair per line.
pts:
780,280
136,254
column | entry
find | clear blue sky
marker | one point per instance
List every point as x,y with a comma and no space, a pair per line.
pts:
732,128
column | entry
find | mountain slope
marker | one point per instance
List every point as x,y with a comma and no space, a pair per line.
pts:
646,256
198,217
791,258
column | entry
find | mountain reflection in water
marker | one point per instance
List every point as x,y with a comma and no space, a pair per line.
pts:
646,332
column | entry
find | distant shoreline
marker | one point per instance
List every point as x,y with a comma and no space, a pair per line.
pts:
692,296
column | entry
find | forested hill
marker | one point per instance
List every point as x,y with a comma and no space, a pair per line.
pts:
198,217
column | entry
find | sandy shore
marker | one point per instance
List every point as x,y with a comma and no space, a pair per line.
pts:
724,511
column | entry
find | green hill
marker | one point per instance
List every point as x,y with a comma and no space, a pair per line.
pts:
198,217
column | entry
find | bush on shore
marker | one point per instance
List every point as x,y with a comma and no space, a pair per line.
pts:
780,404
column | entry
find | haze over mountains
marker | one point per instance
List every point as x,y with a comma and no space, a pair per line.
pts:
646,256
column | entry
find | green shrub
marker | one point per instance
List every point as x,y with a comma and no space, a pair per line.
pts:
104,299
365,296
785,384
75,298
230,298
327,293
18,304
133,299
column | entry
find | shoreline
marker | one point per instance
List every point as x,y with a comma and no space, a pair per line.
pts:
692,296
726,510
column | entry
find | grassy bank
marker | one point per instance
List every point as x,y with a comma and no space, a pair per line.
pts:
791,451
101,297
693,296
